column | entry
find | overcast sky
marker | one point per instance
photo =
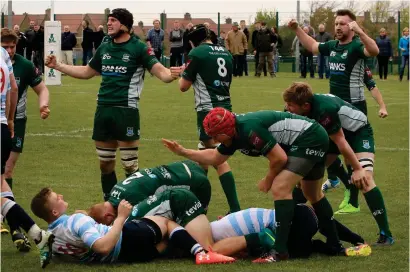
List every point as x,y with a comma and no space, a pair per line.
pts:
148,10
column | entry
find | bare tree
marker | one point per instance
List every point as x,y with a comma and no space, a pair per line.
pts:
352,5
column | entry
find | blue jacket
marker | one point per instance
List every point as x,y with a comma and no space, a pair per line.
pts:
384,45
404,43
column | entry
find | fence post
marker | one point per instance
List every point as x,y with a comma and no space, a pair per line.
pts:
277,20
2,19
219,24
398,34
277,51
163,23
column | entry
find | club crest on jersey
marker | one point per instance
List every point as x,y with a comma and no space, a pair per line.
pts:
125,58
150,51
130,131
325,121
256,141
366,144
344,55
106,56
333,53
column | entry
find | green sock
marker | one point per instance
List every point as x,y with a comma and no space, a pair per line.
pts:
337,170
284,213
324,214
10,182
298,196
228,185
375,202
108,181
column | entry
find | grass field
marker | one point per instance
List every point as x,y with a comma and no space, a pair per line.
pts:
59,153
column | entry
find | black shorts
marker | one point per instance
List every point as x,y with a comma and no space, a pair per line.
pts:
304,227
6,145
139,240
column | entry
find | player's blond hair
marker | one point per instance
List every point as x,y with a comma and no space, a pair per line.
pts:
299,93
97,212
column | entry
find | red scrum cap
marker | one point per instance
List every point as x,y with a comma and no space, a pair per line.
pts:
219,121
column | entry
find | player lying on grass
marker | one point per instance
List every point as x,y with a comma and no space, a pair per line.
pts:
295,147
351,135
179,205
146,182
80,238
254,230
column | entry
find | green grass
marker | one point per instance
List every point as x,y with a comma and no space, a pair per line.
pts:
59,152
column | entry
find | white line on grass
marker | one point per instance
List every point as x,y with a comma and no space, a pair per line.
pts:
71,134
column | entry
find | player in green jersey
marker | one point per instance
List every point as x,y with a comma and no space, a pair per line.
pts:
26,75
121,61
209,72
295,147
351,135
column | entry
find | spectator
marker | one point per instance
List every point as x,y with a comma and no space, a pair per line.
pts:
22,41
30,34
38,48
265,40
177,46
155,38
187,44
404,50
385,53
68,42
213,36
323,61
98,36
221,39
306,57
236,44
255,48
244,59
87,43
276,48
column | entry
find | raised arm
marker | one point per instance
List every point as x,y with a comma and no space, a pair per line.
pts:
307,41
80,72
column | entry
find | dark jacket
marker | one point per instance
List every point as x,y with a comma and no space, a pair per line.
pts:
246,32
38,41
21,43
98,37
30,34
385,48
323,37
214,38
68,41
265,38
254,39
187,44
87,38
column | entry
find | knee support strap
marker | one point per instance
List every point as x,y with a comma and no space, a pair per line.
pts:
129,159
106,154
367,164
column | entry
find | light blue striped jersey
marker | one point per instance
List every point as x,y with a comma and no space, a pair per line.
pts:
244,222
6,68
76,234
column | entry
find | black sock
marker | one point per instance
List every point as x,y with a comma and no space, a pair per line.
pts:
354,192
324,214
298,196
10,182
108,181
337,170
180,238
345,234
17,217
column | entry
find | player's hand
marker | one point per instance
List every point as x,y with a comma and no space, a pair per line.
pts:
51,61
10,124
44,112
124,209
175,72
359,179
293,24
174,147
263,186
383,113
355,27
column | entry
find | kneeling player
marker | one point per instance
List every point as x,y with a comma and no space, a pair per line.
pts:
351,135
253,229
137,240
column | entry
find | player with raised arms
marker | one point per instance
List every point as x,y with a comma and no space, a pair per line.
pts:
121,61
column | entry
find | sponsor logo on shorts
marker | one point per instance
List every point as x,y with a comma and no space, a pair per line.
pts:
130,131
293,148
126,58
378,212
317,153
193,209
366,144
152,199
18,144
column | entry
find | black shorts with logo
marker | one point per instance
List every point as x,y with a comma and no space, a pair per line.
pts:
139,240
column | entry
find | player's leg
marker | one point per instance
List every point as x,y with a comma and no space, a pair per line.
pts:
106,147
127,133
224,171
16,149
269,56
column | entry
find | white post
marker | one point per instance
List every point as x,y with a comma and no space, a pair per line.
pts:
10,14
52,11
297,51
52,46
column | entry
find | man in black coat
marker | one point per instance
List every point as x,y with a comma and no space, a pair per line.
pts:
255,48
30,34
87,43
22,41
98,36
